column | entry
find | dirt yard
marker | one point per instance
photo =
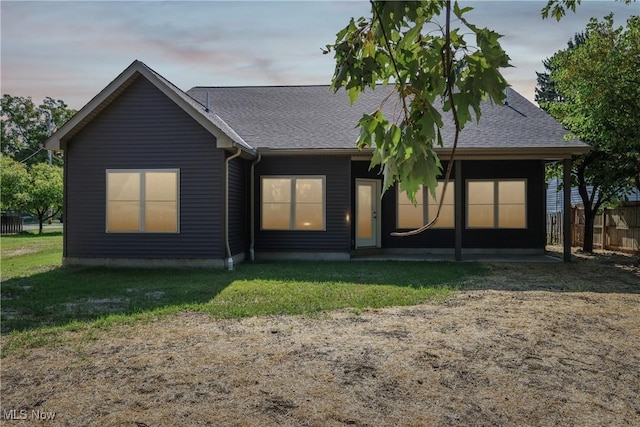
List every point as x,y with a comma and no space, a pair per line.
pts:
531,344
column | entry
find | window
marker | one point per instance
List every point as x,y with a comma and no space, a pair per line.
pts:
142,201
293,203
496,203
410,216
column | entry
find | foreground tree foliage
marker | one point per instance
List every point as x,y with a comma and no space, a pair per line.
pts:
597,97
25,127
36,190
431,67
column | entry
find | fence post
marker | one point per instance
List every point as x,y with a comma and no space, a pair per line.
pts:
566,182
604,229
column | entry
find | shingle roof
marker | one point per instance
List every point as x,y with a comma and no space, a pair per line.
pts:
313,117
299,117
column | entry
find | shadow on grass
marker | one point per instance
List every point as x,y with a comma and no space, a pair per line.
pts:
33,234
606,272
64,295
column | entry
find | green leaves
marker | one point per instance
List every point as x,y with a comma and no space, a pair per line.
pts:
25,126
595,93
432,68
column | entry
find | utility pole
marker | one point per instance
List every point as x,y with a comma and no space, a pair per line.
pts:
50,154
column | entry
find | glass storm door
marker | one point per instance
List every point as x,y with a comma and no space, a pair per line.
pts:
367,213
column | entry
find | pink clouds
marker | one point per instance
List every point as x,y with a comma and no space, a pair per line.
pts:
71,50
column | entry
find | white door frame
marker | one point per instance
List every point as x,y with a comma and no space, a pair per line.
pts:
374,213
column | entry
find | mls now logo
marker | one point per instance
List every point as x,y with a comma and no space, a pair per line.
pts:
23,414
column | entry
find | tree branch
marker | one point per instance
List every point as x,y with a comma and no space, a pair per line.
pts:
400,82
447,60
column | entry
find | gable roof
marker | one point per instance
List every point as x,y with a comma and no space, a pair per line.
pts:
225,135
290,118
296,119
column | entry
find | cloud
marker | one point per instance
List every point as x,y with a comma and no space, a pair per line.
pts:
71,50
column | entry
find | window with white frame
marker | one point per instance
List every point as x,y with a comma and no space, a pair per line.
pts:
426,208
497,203
142,201
293,203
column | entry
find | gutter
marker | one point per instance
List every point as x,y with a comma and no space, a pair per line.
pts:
226,207
252,253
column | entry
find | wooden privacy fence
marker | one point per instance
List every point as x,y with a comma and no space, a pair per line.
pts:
554,228
10,224
615,229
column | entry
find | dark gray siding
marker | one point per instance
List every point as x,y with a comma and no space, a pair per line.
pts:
238,206
143,128
336,236
433,238
531,237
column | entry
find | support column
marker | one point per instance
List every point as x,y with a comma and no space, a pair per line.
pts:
458,209
566,217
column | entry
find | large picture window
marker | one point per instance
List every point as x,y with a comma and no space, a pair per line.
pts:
426,207
142,201
497,203
293,203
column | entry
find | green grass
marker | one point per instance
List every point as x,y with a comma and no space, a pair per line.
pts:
40,299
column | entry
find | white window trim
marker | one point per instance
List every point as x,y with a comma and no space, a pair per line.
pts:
292,203
142,173
496,203
426,199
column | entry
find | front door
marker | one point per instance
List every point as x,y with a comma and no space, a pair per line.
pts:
367,213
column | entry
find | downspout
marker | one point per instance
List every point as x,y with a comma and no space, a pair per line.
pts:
226,208
252,253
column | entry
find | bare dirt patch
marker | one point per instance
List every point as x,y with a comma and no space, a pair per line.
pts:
531,344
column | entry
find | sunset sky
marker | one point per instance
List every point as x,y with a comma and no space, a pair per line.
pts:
71,50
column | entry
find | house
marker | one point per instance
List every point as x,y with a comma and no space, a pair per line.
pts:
555,197
155,176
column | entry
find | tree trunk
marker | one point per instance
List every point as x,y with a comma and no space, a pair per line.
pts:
589,219
41,219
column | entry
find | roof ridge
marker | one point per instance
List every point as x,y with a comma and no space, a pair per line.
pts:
256,86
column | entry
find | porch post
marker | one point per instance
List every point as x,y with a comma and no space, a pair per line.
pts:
566,217
458,204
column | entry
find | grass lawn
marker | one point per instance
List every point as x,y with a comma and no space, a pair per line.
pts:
39,296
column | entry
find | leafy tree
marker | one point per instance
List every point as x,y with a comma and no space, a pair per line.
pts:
412,45
26,126
36,190
546,89
14,178
44,192
598,100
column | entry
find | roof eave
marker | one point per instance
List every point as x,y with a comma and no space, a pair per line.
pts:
511,153
516,153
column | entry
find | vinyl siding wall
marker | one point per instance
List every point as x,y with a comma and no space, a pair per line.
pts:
336,236
434,238
238,206
143,129
531,237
